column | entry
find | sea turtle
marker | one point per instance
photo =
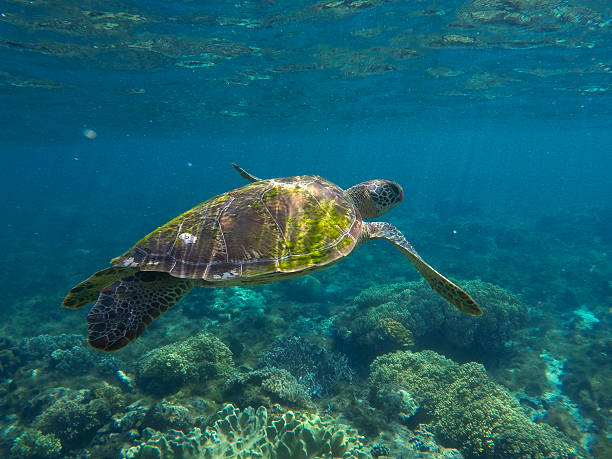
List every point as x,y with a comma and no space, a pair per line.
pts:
263,232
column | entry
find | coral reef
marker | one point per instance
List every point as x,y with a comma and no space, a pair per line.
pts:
195,360
314,367
305,289
171,444
74,416
234,300
55,422
267,386
42,346
34,444
248,433
395,313
467,409
167,415
401,442
10,358
68,354
399,404
585,378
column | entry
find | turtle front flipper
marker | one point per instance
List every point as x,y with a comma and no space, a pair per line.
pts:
449,291
87,291
245,174
125,308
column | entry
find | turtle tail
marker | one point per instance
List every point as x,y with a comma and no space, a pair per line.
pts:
87,291
126,307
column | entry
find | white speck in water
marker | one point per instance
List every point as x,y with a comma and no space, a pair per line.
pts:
90,133
189,164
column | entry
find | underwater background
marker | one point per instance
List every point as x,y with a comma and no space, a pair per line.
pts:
494,116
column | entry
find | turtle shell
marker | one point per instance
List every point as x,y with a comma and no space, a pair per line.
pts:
259,233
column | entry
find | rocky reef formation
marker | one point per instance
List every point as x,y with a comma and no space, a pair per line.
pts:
466,409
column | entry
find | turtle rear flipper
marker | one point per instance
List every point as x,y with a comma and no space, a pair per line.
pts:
125,308
87,291
452,293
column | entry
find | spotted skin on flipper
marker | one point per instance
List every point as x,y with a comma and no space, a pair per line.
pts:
125,308
449,291
87,291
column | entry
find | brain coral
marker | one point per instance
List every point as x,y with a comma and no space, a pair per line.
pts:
168,368
468,410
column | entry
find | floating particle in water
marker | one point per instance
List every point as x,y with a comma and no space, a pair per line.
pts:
189,164
90,133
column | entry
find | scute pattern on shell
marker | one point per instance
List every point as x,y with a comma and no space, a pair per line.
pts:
254,233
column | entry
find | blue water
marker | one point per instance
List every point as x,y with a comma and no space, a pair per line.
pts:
495,117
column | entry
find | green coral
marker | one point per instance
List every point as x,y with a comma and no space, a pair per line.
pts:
419,309
467,409
197,359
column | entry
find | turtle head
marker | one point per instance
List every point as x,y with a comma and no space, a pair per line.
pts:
375,197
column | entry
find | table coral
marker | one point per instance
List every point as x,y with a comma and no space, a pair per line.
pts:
467,409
